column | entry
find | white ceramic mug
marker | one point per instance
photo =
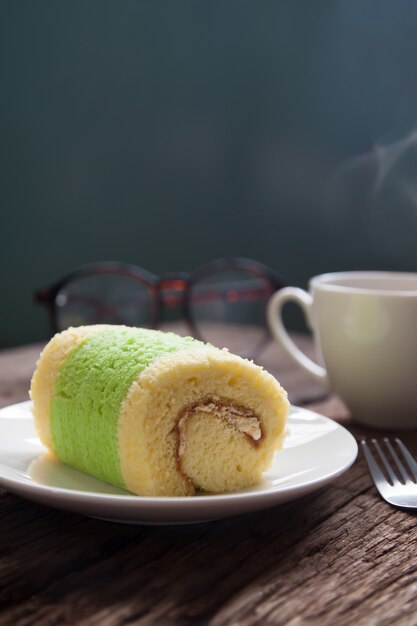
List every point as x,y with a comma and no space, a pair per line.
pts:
365,330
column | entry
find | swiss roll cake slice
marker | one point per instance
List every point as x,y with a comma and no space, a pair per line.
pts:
156,413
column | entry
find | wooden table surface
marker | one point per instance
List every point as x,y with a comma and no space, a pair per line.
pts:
338,556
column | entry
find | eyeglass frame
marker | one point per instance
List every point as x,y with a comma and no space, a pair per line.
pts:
181,281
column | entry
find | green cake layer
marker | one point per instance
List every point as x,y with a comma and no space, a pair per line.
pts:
90,388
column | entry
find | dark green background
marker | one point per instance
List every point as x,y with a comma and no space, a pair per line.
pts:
169,133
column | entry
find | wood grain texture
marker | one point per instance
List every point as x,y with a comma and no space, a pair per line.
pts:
338,556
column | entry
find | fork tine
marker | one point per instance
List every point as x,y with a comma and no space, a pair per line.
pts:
374,468
397,494
388,468
410,460
396,458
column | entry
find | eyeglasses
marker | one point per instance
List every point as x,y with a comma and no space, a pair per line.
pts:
223,302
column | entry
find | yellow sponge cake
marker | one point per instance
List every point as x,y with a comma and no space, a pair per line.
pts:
156,413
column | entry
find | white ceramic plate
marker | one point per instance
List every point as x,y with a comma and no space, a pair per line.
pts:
316,451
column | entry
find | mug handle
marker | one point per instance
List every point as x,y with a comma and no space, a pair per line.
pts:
276,325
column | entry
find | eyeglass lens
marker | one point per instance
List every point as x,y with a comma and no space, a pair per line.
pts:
231,304
112,298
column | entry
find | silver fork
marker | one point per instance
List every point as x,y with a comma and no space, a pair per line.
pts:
400,488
